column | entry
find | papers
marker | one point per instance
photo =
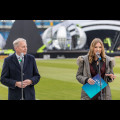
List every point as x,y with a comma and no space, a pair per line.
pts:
92,90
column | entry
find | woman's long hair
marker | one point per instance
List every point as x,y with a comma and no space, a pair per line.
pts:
91,54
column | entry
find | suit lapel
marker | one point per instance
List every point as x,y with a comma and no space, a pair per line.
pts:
15,61
25,62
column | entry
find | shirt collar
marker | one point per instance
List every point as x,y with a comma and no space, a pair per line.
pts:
18,56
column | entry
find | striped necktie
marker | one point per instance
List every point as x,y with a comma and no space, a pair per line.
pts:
21,60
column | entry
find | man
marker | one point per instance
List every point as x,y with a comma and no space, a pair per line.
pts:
11,73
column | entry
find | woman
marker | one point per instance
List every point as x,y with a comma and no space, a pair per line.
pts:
89,67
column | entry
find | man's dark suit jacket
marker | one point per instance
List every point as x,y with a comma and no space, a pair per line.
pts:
11,73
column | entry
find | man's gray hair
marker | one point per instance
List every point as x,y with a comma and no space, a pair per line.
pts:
16,42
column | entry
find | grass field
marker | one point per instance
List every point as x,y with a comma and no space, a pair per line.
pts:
58,81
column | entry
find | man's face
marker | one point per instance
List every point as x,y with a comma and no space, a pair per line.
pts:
21,48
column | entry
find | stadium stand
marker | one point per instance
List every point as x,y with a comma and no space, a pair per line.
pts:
5,25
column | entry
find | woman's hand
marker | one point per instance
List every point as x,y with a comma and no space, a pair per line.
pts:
91,81
112,76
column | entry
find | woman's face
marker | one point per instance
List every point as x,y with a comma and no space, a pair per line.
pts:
98,48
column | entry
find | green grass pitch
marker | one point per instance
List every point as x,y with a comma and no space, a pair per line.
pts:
58,81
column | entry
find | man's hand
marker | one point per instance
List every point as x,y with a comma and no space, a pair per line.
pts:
25,83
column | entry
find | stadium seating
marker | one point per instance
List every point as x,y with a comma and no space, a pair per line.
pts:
46,23
5,26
